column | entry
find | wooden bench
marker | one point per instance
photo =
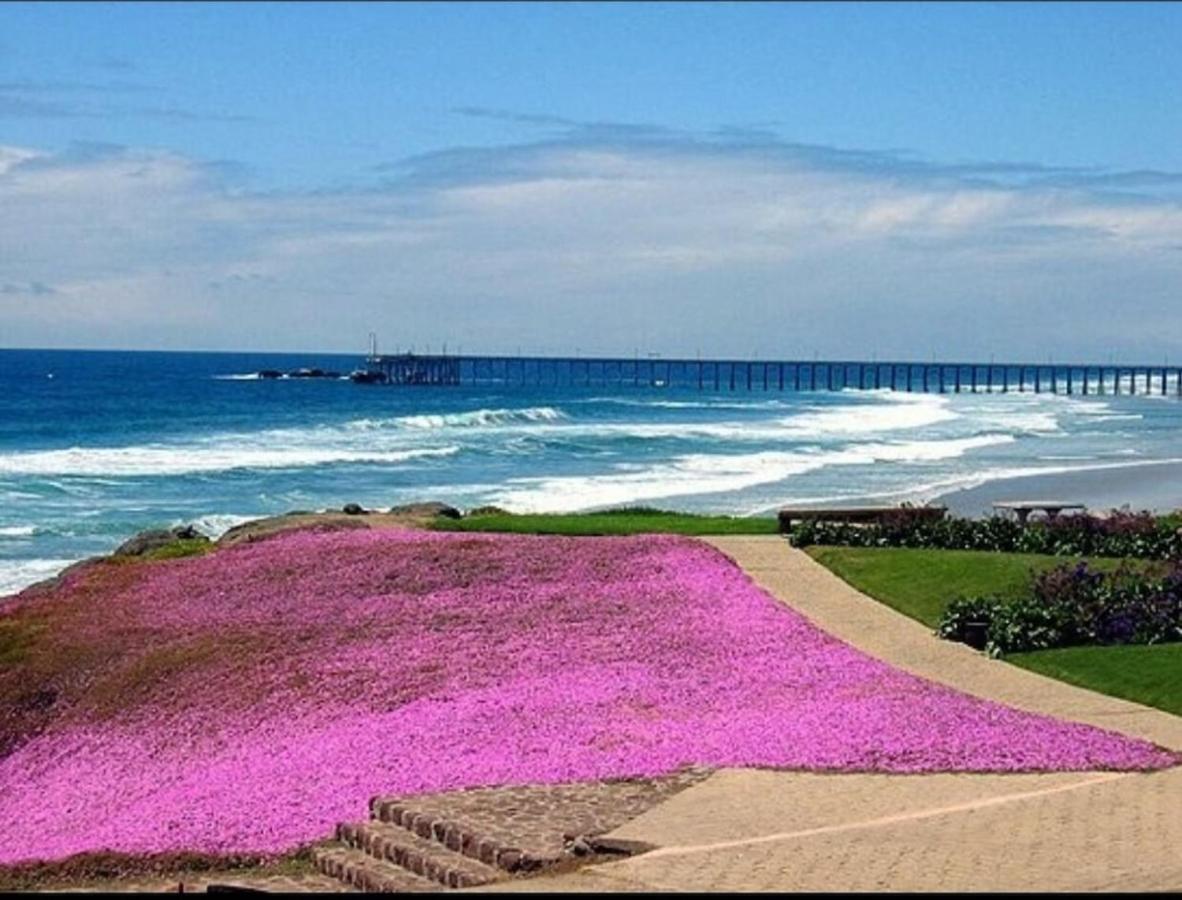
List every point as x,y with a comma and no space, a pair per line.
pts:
858,515
1023,508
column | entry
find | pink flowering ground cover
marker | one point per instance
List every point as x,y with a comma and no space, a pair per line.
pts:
246,701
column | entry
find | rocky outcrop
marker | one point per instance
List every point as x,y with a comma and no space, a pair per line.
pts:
260,529
433,508
155,538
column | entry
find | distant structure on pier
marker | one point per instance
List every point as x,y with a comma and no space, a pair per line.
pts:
788,375
407,368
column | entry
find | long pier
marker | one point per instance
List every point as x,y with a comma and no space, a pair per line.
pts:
773,375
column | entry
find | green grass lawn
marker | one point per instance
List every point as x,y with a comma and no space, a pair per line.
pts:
920,583
1144,674
638,520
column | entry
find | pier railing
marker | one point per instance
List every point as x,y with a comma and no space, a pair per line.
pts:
768,375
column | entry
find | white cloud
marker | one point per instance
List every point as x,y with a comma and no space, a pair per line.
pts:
675,245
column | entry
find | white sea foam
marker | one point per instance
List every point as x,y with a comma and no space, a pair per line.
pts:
902,413
214,525
890,412
241,376
183,460
17,531
716,473
476,418
687,404
1019,422
18,574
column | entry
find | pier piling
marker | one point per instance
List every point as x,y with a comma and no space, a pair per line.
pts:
932,377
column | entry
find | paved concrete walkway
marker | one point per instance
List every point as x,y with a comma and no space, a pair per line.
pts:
794,578
745,829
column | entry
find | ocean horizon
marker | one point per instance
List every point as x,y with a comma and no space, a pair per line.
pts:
98,445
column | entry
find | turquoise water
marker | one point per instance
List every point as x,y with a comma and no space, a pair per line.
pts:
96,446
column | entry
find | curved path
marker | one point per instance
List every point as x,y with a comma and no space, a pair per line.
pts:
794,578
744,829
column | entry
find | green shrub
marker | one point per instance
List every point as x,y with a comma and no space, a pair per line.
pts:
180,548
965,610
1076,605
1137,535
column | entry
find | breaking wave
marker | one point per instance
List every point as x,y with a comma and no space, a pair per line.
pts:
186,460
916,411
16,575
215,525
477,418
717,473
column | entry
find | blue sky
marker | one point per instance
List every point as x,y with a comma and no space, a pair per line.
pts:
787,178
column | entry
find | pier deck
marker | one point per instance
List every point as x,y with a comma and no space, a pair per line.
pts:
775,375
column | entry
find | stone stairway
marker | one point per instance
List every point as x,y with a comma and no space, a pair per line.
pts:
382,857
460,839
404,848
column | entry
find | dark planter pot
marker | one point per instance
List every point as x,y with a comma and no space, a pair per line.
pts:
976,634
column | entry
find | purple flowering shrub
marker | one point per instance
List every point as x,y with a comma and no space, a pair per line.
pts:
247,700
1075,604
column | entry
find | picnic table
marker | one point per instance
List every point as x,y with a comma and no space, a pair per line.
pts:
1023,508
854,514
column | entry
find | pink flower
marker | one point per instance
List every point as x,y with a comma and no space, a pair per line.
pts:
265,692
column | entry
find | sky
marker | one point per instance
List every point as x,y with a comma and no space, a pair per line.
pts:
780,180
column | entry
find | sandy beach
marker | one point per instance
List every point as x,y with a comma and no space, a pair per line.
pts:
1156,487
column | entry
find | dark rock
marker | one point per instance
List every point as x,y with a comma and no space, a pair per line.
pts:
433,508
487,511
264,529
354,509
578,847
270,373
155,538
145,541
362,376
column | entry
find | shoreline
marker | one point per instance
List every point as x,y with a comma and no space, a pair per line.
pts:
415,515
1156,487
1143,486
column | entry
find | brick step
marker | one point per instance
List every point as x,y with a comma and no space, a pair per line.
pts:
458,837
360,870
423,856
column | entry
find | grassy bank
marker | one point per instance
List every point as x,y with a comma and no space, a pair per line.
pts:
920,583
1144,674
637,520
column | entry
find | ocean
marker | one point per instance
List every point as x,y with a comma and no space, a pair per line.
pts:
95,446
